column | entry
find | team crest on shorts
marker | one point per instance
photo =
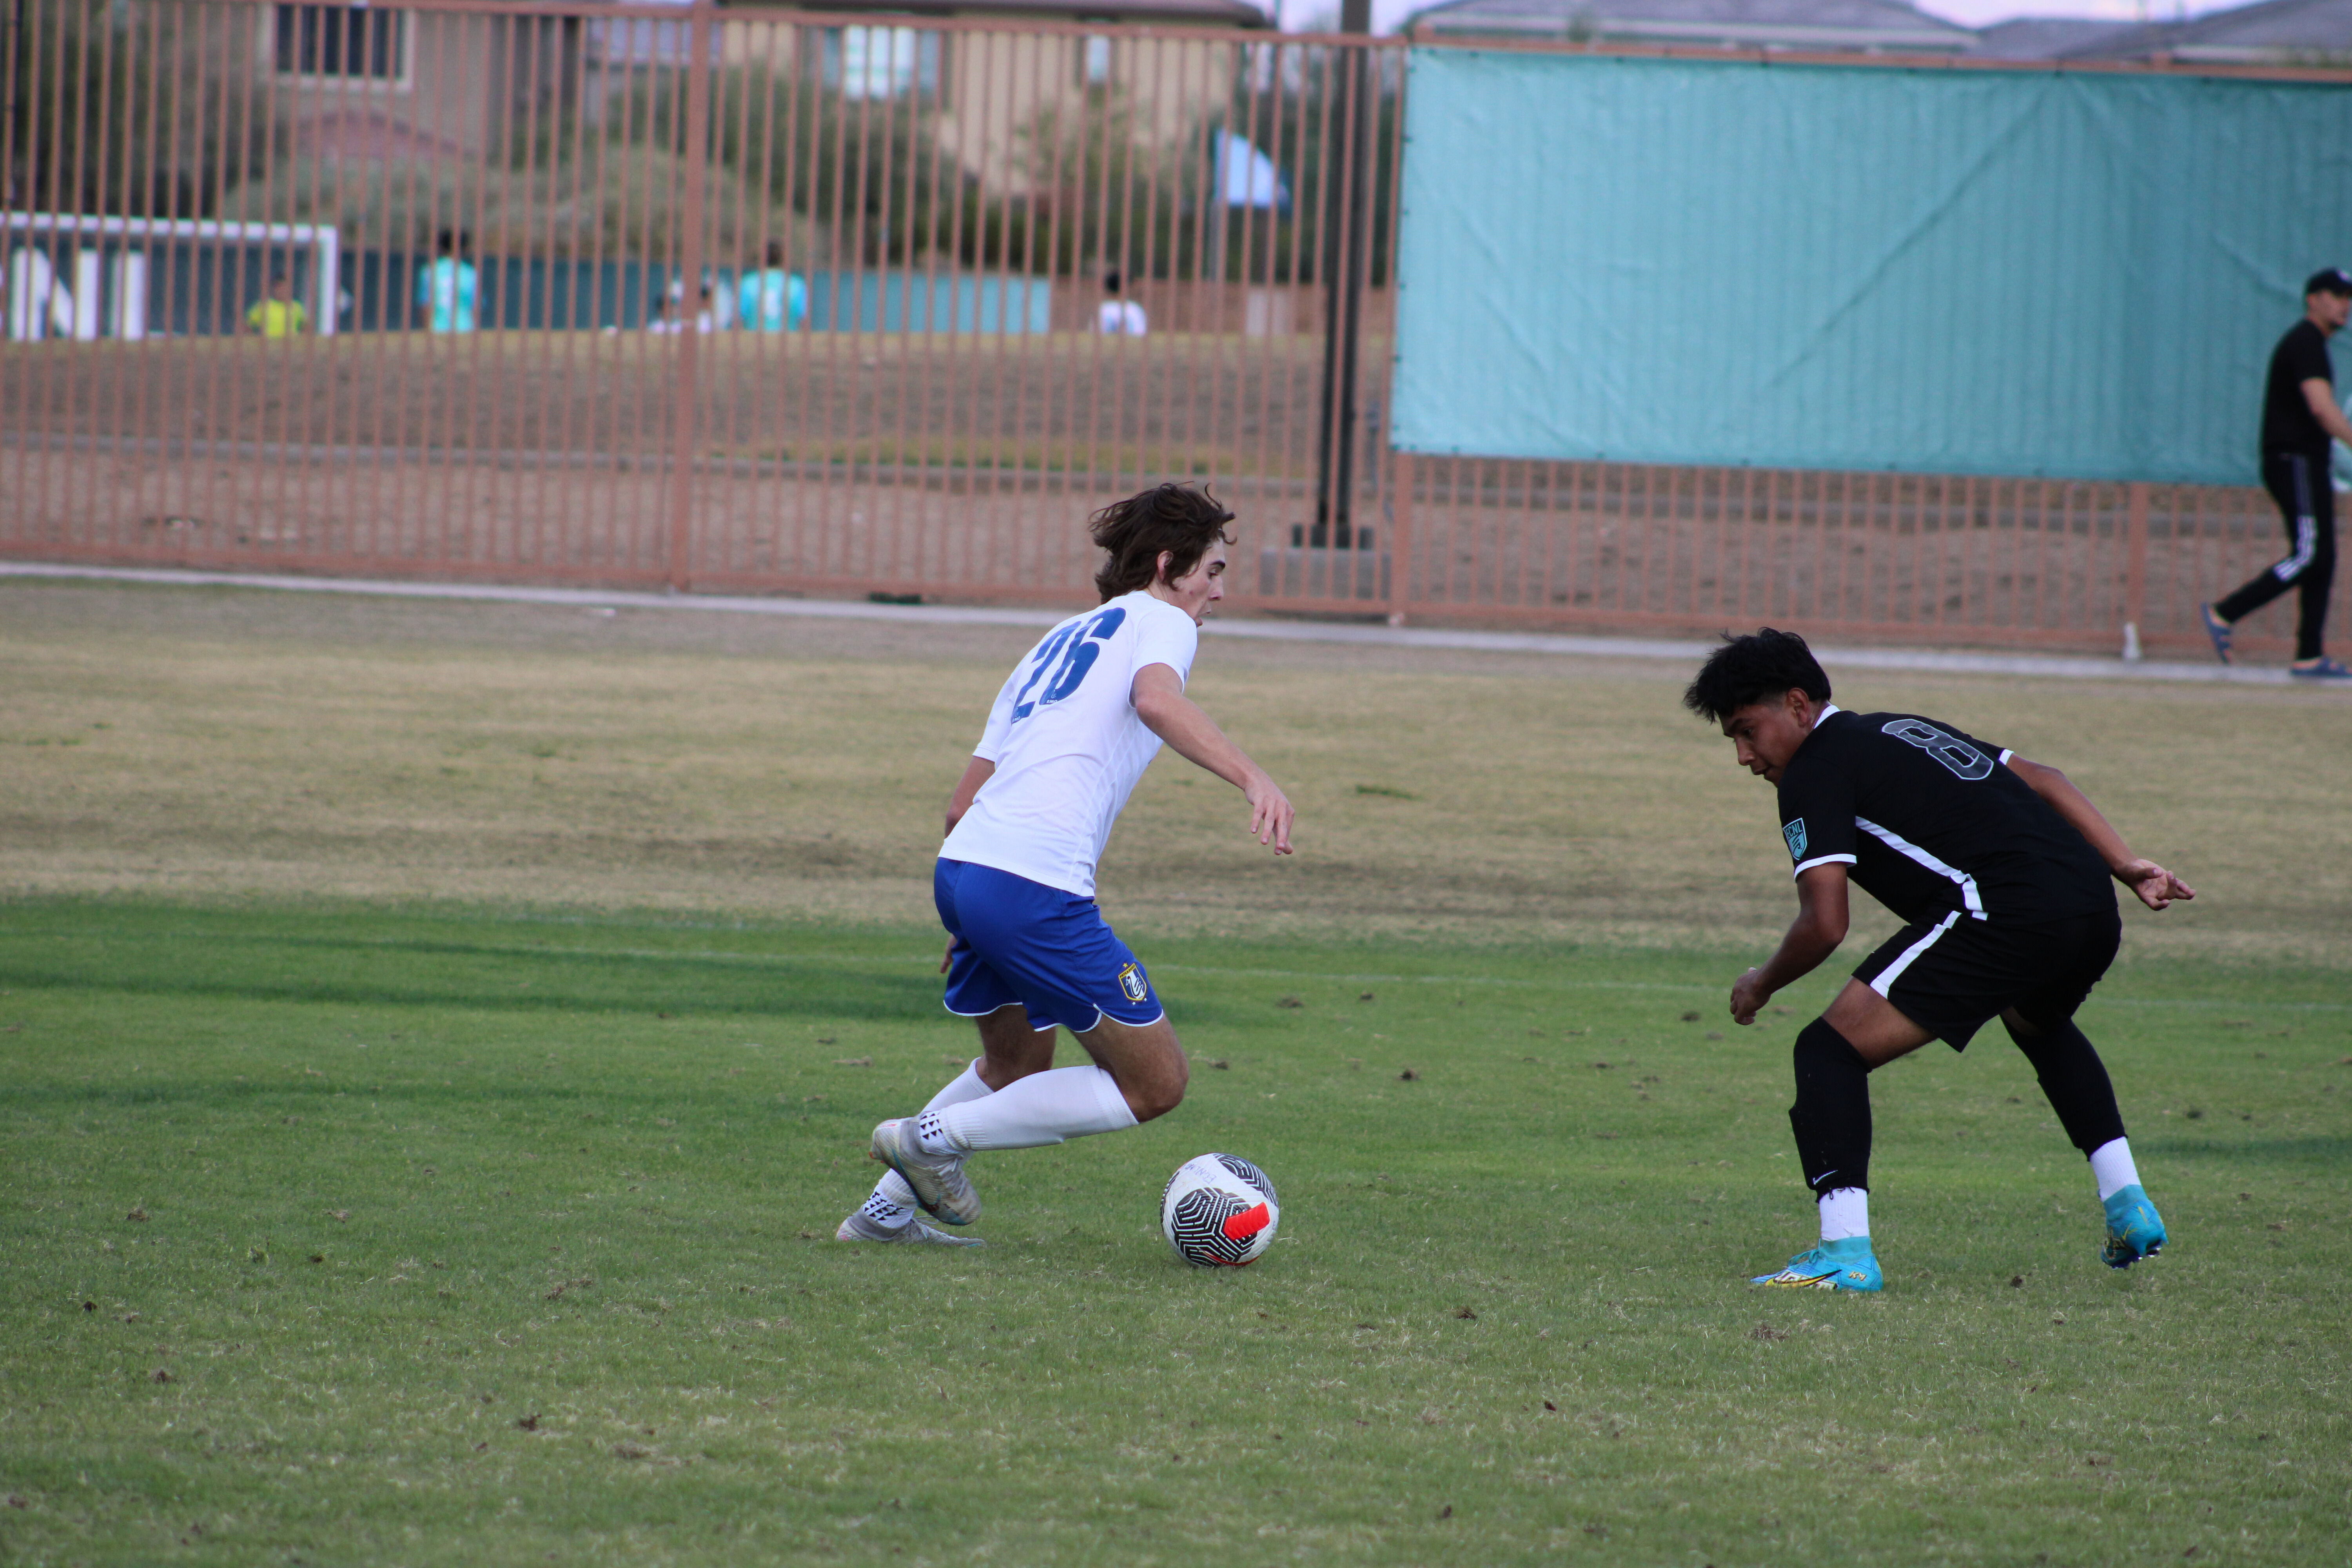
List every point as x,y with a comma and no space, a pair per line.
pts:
1794,833
1130,982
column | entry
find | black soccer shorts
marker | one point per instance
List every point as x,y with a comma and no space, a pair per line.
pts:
1951,976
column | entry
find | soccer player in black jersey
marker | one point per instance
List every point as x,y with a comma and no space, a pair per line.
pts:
1998,866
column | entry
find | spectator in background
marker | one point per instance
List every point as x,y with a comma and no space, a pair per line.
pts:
773,299
280,315
1120,318
2300,418
672,315
446,290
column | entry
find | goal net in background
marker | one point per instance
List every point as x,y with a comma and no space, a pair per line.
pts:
86,275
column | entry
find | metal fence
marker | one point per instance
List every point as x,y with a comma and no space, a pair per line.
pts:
781,302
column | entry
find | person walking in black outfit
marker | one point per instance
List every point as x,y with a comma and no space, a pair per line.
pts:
2300,416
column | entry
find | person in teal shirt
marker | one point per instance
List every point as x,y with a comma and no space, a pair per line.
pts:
773,299
446,290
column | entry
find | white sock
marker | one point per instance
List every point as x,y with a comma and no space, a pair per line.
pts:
887,1214
2112,1167
1043,1107
893,1203
1845,1211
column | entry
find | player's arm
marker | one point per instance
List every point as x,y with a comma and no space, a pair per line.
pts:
1160,701
1811,937
2156,886
976,773
2324,408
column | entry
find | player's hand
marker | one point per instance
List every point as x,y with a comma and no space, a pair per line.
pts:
1270,814
949,956
2156,886
1748,997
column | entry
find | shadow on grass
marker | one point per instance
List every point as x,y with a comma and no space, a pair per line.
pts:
375,960
591,1106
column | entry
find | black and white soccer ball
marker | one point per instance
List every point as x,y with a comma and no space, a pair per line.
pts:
1219,1211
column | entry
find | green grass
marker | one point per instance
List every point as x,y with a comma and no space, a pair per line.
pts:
473,1237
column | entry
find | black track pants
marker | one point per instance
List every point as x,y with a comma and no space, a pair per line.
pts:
2298,483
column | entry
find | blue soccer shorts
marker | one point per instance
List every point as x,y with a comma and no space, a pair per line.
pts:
1051,951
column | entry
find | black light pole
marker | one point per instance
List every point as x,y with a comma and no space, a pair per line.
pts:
1341,269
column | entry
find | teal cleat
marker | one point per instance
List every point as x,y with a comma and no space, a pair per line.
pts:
2135,1230
1845,1265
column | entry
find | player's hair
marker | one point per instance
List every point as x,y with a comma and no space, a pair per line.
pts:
1757,668
775,253
1177,519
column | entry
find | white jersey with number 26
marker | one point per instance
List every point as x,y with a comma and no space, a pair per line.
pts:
1067,744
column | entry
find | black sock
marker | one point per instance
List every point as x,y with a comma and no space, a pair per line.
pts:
1832,1116
2075,1081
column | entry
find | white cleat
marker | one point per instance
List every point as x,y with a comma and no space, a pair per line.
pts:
858,1228
939,1183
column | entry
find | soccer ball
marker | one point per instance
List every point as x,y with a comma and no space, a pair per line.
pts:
1219,1211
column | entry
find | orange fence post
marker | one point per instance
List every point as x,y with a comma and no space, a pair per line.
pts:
2135,568
1404,476
688,332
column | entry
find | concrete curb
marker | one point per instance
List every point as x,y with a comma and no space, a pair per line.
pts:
1920,660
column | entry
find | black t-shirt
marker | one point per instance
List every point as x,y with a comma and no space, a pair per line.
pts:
1932,821
2287,423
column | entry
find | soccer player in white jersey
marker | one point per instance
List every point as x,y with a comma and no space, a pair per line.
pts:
1078,722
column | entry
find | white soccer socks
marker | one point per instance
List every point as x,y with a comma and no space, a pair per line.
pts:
1845,1212
966,1116
1043,1107
2112,1167
893,1203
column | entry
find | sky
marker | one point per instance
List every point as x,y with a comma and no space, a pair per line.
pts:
1313,14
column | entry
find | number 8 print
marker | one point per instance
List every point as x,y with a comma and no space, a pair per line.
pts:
1955,754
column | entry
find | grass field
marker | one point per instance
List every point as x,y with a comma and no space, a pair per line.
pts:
207,743
440,1042
484,1238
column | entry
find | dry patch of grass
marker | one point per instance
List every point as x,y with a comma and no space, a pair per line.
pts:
204,743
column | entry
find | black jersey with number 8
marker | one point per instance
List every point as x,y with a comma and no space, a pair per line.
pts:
1931,821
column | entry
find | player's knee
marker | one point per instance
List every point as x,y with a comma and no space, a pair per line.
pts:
1820,1047
1150,1100
1161,1089
1168,1092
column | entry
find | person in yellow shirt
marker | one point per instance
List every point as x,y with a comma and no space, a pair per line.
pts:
280,315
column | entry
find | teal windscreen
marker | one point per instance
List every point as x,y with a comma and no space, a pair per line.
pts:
1954,271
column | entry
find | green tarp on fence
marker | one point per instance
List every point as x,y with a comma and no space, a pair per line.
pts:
1830,266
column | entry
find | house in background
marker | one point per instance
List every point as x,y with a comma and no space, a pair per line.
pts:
995,93
2045,37
385,82
382,81
2271,33
1801,27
